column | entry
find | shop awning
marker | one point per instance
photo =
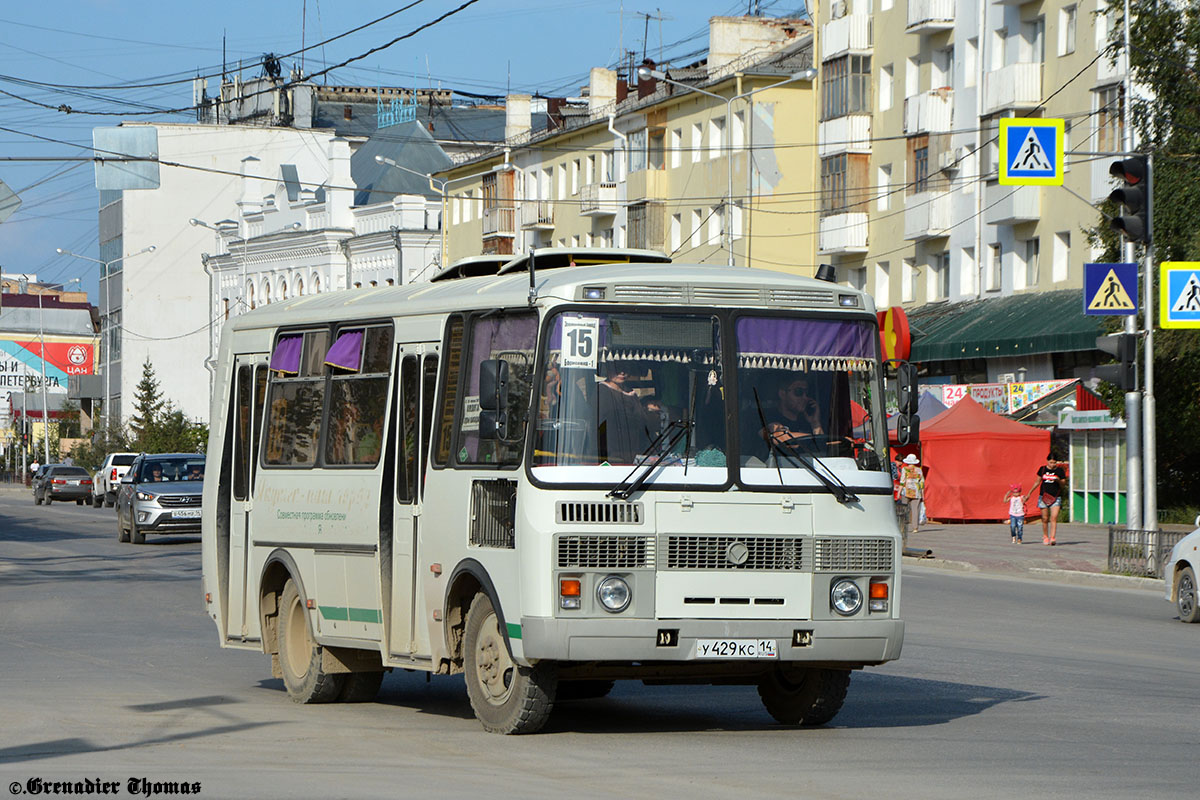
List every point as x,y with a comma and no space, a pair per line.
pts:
1017,325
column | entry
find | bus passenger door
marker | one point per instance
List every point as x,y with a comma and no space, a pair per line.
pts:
418,375
249,393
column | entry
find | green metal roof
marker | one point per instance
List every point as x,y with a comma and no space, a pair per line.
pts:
1020,324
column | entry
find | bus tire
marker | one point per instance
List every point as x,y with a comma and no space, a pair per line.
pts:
360,687
801,696
506,697
583,690
135,534
300,655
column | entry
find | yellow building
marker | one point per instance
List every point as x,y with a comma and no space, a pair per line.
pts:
714,163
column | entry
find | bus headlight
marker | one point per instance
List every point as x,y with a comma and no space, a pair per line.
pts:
845,597
614,594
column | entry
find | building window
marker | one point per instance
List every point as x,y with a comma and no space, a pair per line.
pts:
856,278
716,136
676,146
697,141
994,267
883,187
1062,256
886,87
920,170
693,236
716,218
738,134
1110,133
1033,254
1067,19
966,271
844,185
1033,41
912,77
847,86
971,64
939,276
575,176
883,285
676,232
655,148
909,281
637,150
590,169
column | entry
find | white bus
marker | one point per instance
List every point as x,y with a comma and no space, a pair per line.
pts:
553,479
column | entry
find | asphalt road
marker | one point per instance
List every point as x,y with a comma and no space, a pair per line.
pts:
1007,688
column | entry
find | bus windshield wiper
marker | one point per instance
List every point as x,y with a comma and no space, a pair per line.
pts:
624,489
827,477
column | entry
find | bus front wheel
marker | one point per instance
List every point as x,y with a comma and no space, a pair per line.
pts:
300,655
808,697
506,697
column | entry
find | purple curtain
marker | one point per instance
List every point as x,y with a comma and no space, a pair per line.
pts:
806,337
286,357
346,352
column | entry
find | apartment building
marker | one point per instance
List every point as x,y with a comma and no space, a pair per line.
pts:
713,163
912,92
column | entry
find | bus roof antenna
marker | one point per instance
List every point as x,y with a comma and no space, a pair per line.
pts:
532,287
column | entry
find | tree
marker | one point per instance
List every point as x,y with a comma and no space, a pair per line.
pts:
1165,48
148,405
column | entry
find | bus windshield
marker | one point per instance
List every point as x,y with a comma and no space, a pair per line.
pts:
622,389
806,389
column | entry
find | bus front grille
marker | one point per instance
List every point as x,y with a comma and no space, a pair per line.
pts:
777,553
853,555
606,552
604,513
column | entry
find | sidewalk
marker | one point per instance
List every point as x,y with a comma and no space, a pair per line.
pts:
1080,556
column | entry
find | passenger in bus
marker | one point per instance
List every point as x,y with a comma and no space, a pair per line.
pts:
625,427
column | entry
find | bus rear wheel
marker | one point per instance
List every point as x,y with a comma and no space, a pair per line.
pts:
506,697
300,655
801,696
360,687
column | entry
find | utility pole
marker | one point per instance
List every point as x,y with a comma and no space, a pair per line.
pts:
1133,398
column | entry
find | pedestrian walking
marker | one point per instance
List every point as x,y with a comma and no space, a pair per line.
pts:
1049,486
912,489
1016,512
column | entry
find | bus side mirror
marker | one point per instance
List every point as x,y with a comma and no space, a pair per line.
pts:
493,399
906,391
908,429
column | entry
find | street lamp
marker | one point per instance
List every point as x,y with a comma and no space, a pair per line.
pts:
441,188
809,74
104,328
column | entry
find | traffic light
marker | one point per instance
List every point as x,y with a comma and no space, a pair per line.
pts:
1134,196
1123,347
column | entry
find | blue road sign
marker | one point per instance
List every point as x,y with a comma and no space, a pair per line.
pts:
1179,294
1031,151
1110,289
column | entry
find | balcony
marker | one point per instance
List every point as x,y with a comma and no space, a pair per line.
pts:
930,112
598,199
1014,86
851,134
840,36
645,184
930,16
500,221
927,216
1109,70
537,215
843,233
1004,206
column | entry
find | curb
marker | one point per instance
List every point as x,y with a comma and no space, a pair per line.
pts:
1067,576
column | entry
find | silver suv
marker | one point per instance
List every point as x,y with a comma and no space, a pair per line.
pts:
160,494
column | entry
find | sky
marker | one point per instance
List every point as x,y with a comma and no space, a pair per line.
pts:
110,60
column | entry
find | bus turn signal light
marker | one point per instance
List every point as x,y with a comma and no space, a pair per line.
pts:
570,592
878,596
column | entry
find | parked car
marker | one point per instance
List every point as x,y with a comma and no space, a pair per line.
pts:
38,478
108,478
1180,572
160,494
62,482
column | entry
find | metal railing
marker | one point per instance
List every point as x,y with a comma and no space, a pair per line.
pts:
1138,552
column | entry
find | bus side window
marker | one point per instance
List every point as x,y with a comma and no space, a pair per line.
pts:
260,397
450,381
406,466
429,392
241,445
510,337
294,407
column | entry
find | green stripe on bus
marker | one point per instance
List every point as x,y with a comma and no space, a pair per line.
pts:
342,614
514,631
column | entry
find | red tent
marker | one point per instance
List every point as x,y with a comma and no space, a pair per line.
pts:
971,456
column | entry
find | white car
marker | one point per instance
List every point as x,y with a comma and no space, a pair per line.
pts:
1180,573
108,478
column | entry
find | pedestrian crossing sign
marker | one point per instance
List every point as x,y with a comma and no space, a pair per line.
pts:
1110,289
1031,151
1179,290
